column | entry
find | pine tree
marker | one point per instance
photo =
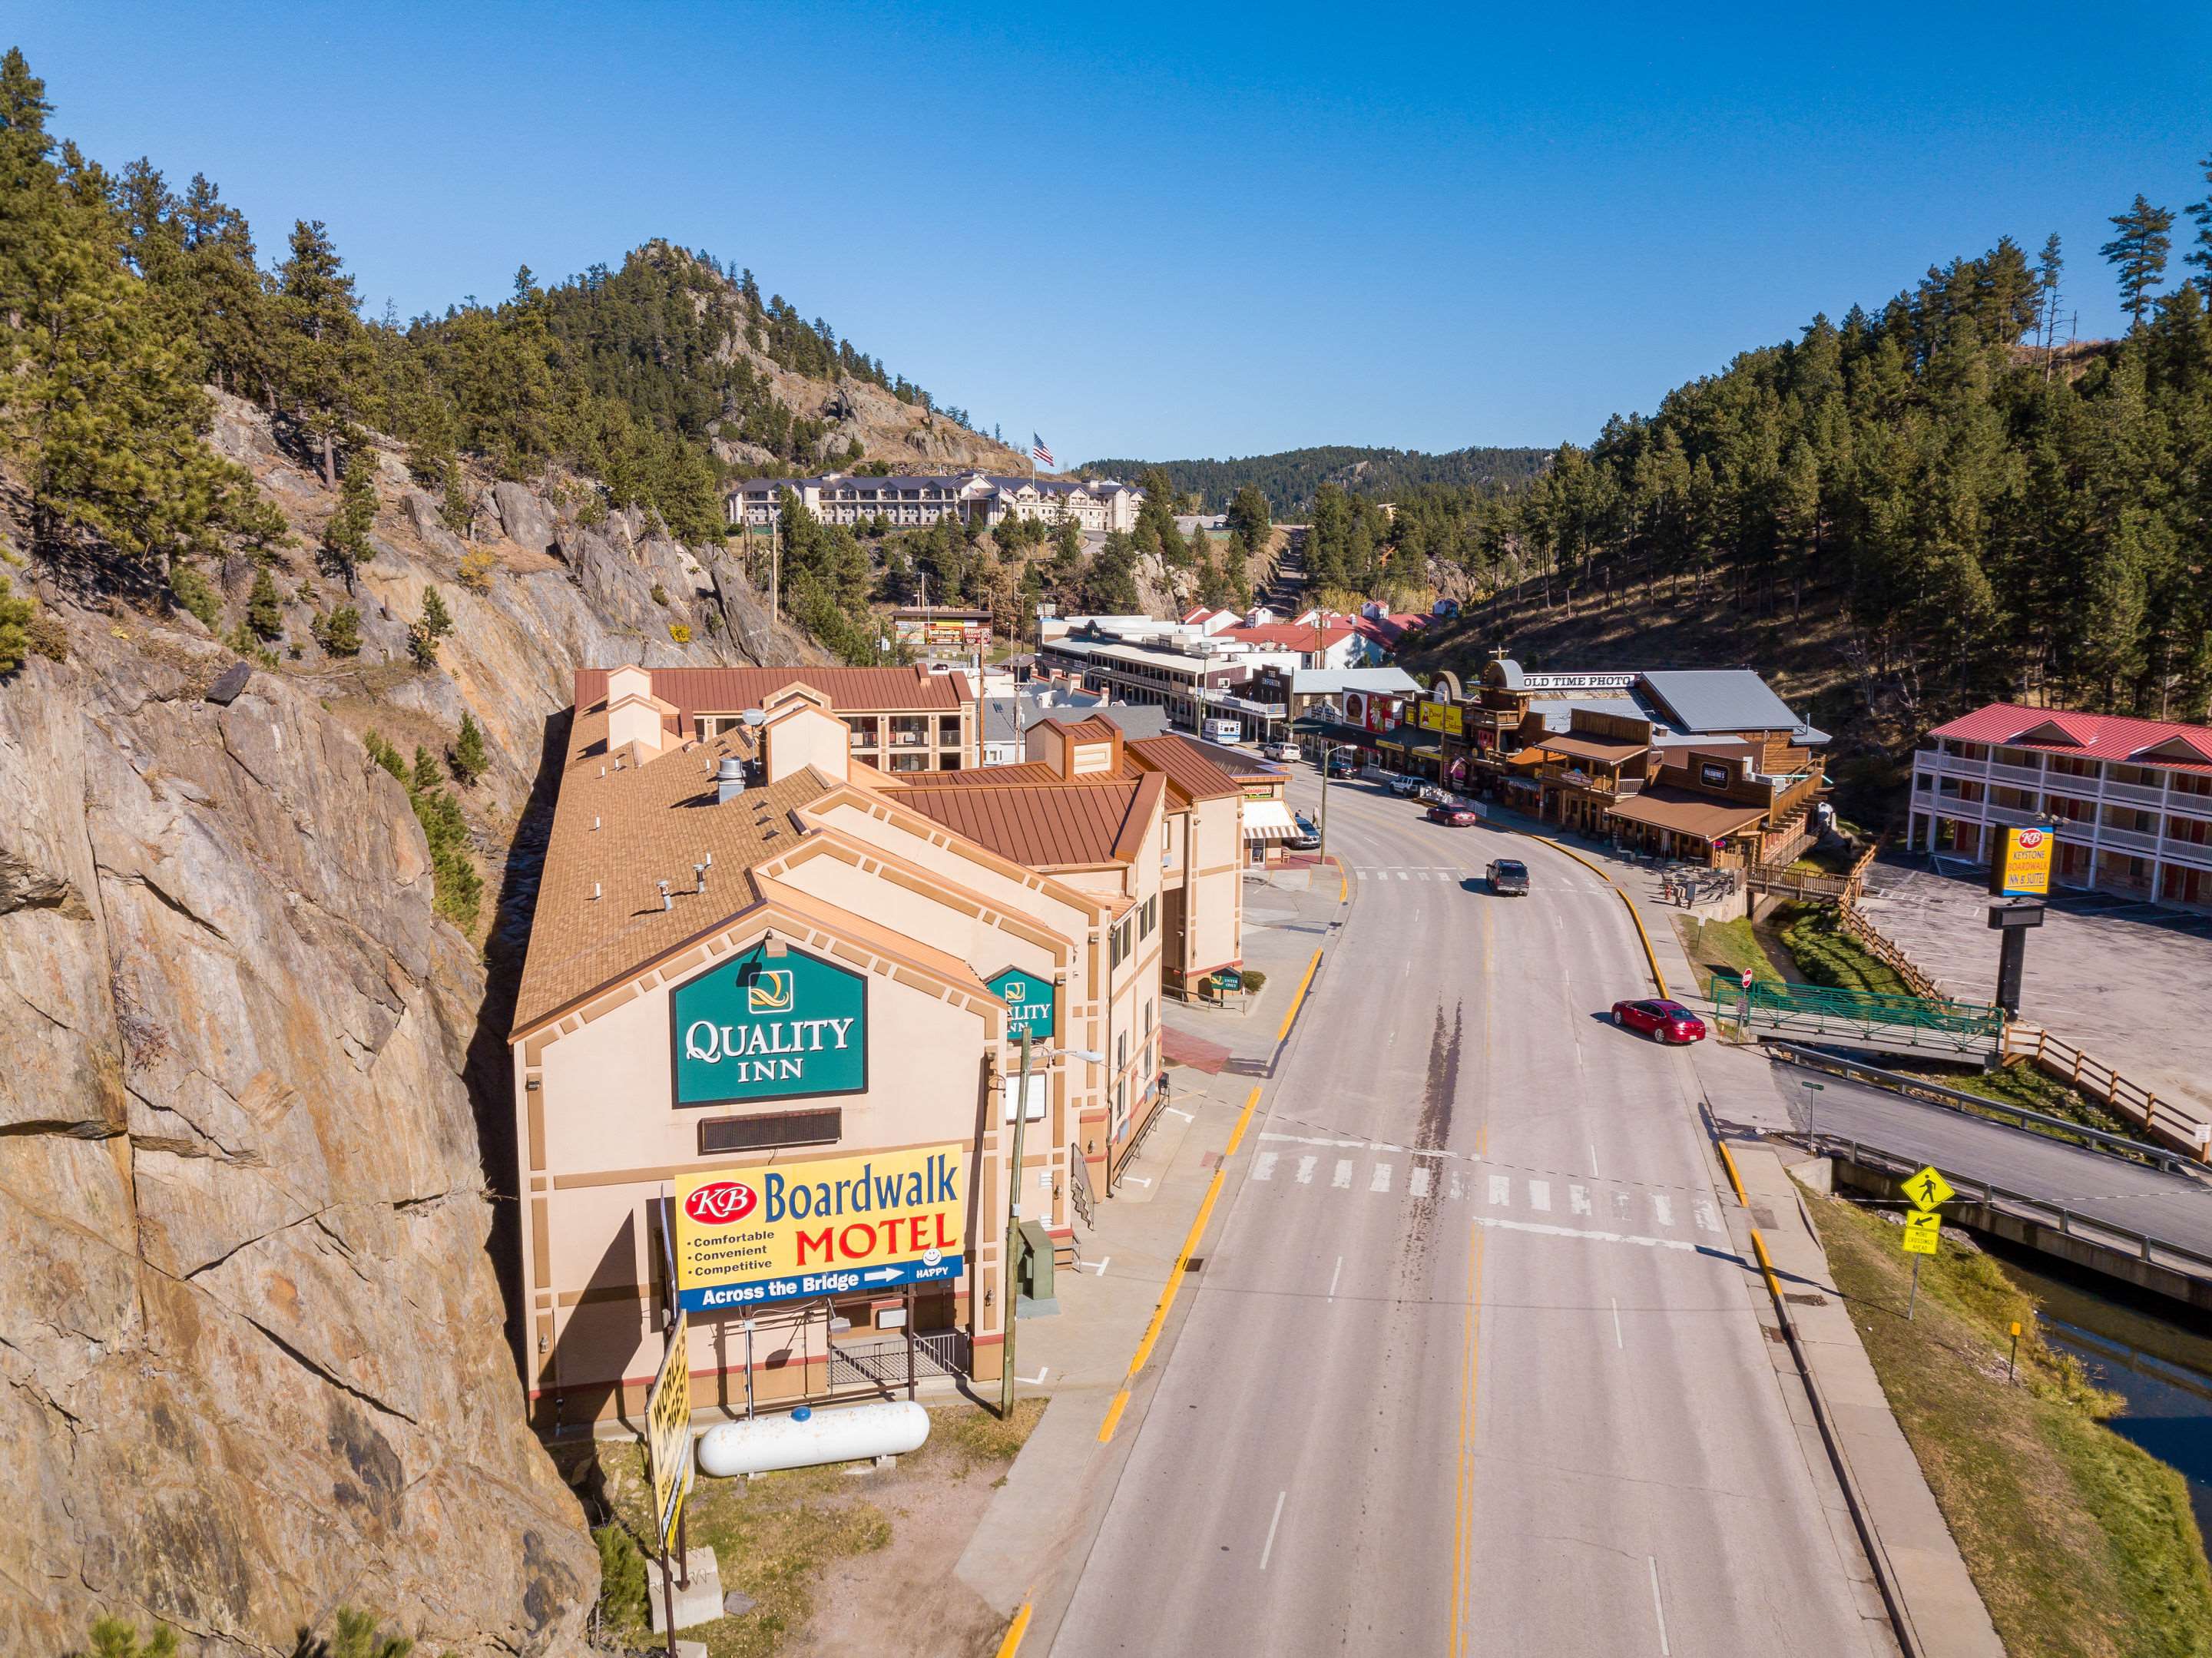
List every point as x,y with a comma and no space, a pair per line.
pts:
2138,253
322,363
345,537
2200,250
339,633
117,1637
1247,519
427,777
264,610
467,757
16,616
2048,270
435,617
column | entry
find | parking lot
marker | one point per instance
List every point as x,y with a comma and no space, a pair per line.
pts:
2123,981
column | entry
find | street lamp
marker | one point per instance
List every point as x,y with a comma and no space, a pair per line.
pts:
1008,1296
1813,1090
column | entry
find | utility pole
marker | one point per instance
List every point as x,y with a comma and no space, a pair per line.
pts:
1010,1296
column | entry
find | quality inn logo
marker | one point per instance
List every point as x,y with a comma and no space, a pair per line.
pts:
767,990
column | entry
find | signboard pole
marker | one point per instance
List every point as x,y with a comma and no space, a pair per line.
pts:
1913,1300
1010,1296
909,1324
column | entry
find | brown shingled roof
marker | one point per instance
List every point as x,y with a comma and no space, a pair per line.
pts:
850,690
629,829
1071,825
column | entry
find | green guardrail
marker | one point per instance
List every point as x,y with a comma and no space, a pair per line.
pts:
1778,1000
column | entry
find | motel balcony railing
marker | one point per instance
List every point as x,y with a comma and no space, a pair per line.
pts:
2137,794
2031,776
2188,852
2127,839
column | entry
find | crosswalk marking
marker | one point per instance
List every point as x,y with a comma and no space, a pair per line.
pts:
1343,1174
1417,1182
1457,1192
1578,1199
1305,1170
1664,1206
1501,1188
1263,1166
1380,1180
1540,1195
1707,1220
1620,1206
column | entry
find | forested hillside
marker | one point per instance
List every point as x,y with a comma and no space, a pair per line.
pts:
1291,480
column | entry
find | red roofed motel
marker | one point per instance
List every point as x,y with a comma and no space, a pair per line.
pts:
751,951
2131,799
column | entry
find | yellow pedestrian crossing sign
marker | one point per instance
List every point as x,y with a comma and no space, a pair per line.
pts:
1920,1232
1929,1190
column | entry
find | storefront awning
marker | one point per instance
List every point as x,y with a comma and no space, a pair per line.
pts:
1332,731
1526,759
1268,820
1686,813
1411,739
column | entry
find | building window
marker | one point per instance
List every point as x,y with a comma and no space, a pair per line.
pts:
909,762
909,730
948,730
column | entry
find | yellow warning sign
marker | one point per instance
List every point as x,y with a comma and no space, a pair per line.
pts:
1929,1190
1920,1232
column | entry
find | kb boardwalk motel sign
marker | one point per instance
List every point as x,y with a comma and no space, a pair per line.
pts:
779,1028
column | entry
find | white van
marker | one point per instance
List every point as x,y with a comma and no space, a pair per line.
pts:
1228,732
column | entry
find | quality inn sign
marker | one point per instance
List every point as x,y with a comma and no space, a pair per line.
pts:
769,1028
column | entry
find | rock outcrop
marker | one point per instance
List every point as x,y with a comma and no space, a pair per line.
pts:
253,1340
251,1323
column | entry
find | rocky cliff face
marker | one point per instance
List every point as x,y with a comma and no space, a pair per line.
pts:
252,1321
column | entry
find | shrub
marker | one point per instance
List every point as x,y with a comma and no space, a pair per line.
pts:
385,755
1254,980
192,590
456,891
116,1637
339,633
16,616
265,610
476,570
680,632
467,758
659,594
623,1585
422,644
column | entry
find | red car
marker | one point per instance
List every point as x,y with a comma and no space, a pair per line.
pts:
1667,1022
1457,817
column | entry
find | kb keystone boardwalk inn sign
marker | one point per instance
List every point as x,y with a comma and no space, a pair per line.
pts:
770,1028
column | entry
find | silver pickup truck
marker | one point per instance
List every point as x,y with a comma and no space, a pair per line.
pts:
1508,878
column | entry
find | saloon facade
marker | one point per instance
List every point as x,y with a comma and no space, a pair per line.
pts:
754,954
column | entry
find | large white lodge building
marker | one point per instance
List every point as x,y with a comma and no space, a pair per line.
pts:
1100,505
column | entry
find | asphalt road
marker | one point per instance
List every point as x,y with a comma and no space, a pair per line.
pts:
1470,1366
2172,1207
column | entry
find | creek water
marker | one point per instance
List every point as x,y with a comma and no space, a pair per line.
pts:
2156,1355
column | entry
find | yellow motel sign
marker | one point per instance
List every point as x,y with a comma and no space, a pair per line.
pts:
1929,1190
2019,865
1920,1228
668,1430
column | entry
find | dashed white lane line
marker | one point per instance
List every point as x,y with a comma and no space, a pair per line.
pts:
1617,1341
1380,1181
1658,1606
1268,1550
1542,1230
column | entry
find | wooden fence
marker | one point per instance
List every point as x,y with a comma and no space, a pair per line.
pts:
2055,1057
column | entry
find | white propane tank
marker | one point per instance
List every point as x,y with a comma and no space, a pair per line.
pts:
807,1439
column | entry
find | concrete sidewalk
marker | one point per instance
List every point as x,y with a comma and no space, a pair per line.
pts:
1927,1575
1081,1356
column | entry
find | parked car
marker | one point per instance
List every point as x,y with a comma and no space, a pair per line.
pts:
1456,817
1226,733
1307,839
1662,1021
1281,750
1508,878
1402,785
1343,765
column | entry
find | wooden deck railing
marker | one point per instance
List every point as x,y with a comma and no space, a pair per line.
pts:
2055,1057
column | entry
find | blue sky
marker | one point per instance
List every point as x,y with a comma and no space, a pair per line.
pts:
1182,231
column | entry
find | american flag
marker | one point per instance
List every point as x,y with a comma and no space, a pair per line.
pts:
1038,453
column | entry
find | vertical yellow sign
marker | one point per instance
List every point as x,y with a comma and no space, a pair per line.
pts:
2022,862
668,1430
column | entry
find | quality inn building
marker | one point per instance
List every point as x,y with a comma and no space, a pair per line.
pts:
767,1035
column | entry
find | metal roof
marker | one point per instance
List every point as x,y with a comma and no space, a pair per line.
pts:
1723,699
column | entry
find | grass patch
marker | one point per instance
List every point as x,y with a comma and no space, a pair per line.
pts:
774,1536
1727,946
1827,956
2022,1084
2081,1545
